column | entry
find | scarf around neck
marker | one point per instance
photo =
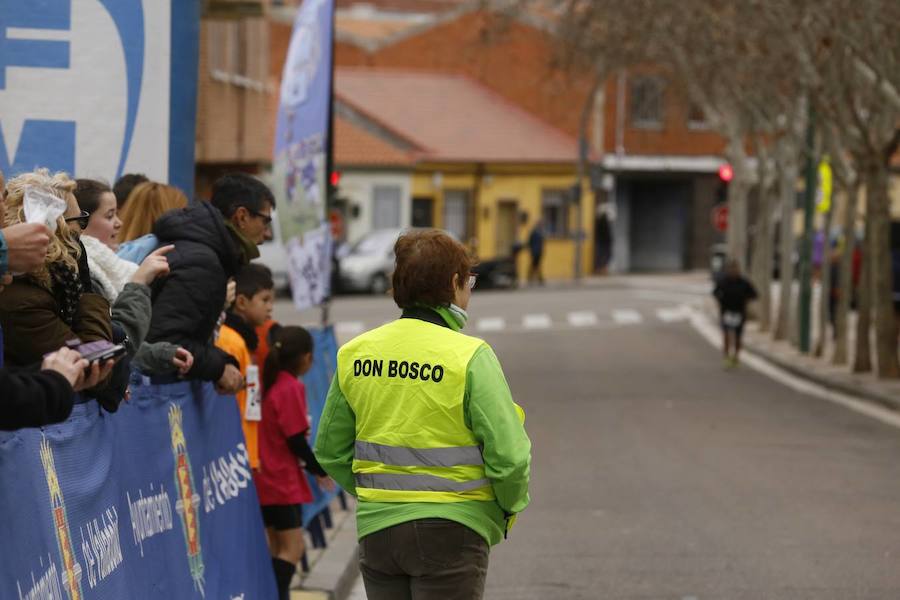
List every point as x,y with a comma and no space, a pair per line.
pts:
109,271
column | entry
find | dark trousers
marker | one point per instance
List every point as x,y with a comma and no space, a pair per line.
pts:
427,559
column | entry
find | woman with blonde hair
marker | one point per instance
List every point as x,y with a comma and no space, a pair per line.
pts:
43,309
146,203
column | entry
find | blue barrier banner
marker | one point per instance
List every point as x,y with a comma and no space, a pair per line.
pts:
317,381
154,501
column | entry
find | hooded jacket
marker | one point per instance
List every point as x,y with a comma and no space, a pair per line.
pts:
188,301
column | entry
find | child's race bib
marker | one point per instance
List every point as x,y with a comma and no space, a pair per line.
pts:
253,408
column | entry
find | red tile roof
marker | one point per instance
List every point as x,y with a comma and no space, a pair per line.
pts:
371,30
355,146
452,118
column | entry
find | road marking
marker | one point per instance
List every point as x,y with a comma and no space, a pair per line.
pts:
713,335
672,315
491,324
584,318
627,316
536,322
349,327
669,296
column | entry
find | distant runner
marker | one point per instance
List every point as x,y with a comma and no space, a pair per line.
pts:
733,292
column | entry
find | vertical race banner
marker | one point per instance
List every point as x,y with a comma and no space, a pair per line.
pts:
301,149
99,88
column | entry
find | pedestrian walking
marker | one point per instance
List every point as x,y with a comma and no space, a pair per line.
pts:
419,424
285,452
733,292
536,248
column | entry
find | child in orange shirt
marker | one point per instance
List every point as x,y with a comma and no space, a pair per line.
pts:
252,307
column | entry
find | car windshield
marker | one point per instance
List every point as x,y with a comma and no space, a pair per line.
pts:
375,243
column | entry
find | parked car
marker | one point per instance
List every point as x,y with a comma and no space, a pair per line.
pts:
368,264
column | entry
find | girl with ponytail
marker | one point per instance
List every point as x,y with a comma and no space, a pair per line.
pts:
283,448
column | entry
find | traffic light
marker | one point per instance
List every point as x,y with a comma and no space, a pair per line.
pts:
726,174
334,181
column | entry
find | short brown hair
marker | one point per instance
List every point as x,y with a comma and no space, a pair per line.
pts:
426,262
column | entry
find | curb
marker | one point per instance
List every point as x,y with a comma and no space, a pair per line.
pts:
883,400
861,393
334,574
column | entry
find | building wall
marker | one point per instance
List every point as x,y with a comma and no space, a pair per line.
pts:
675,135
234,118
487,188
358,187
521,64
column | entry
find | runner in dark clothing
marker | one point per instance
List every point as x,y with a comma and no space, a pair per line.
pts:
733,292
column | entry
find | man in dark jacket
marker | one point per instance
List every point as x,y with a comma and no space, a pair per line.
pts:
212,241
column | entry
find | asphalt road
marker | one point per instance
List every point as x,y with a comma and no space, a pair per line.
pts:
657,474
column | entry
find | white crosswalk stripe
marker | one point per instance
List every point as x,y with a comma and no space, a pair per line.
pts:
536,322
491,324
673,315
349,327
627,317
584,318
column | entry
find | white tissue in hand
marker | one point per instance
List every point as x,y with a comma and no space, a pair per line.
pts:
43,207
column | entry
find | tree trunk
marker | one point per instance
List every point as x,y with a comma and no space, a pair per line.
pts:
862,362
738,190
825,290
845,273
878,207
762,247
787,182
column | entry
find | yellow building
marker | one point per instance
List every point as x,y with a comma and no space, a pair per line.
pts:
479,166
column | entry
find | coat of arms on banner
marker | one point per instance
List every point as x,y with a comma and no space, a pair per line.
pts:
71,569
188,499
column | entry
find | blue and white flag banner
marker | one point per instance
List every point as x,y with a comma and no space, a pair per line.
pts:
301,146
99,88
154,501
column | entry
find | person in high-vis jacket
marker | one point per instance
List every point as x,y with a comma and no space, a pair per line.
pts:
421,427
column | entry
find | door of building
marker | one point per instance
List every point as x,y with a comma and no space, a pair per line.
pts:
659,225
507,227
423,212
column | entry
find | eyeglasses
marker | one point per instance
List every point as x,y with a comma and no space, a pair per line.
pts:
473,279
82,219
267,219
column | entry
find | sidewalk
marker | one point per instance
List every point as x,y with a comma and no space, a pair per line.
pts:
820,370
333,571
839,378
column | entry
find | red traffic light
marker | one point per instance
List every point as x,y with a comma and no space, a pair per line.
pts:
335,178
726,173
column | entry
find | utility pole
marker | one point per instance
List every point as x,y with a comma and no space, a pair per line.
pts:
576,201
806,247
